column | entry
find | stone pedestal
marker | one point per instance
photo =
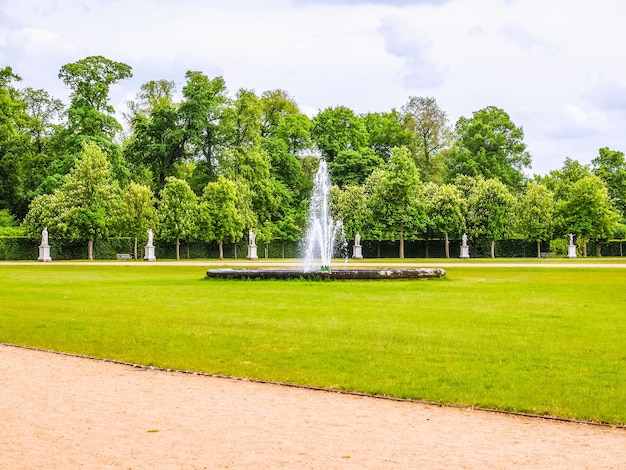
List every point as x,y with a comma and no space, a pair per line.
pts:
252,252
464,252
44,253
357,252
571,251
149,253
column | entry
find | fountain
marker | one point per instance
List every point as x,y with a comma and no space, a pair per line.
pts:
323,237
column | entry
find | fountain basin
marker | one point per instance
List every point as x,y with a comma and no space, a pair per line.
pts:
338,273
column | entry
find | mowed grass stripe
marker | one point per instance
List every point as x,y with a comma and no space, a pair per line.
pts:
537,340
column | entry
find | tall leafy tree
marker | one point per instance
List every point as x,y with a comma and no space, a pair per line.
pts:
385,132
137,212
489,211
178,212
219,219
352,167
447,211
491,145
588,211
397,202
83,207
13,142
158,143
610,166
90,116
202,111
44,125
430,134
338,129
535,210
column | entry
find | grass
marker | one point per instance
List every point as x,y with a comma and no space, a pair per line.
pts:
537,340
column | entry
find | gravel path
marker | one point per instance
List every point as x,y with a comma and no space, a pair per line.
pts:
60,412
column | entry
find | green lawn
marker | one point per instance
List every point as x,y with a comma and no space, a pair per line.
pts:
539,340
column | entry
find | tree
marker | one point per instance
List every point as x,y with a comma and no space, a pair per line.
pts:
202,112
178,210
535,211
385,132
158,143
610,166
352,167
137,211
350,206
219,219
13,142
430,134
491,145
447,211
588,211
277,105
83,207
489,211
243,120
90,116
397,203
42,157
338,129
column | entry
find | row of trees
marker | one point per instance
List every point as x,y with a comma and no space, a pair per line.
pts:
204,165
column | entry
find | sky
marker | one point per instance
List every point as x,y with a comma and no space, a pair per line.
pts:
557,67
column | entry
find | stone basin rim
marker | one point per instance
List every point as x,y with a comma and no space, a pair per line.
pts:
336,273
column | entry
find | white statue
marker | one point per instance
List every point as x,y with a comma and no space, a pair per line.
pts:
357,239
571,238
150,237
464,238
44,237
252,237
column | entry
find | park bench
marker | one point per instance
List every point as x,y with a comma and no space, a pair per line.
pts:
548,254
124,257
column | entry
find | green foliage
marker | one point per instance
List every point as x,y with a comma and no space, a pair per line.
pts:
535,211
352,167
338,129
397,203
219,218
491,145
588,211
178,211
610,167
489,211
430,134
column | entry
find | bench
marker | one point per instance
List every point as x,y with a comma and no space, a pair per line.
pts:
548,254
124,257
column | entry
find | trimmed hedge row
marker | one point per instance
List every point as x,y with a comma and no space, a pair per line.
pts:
22,248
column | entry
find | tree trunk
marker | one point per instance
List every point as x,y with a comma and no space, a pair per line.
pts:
267,250
598,249
90,250
493,249
136,241
283,250
585,249
235,250
177,248
538,249
401,241
427,238
221,245
447,246
188,250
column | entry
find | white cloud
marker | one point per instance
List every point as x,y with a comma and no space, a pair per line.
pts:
404,41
